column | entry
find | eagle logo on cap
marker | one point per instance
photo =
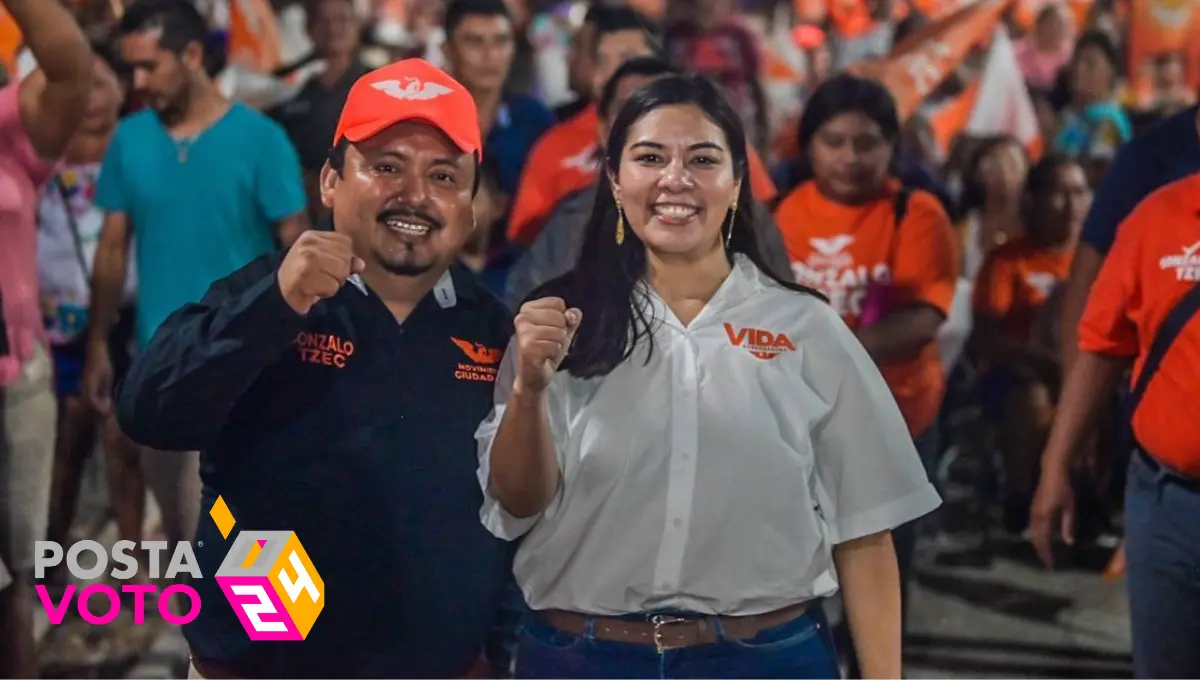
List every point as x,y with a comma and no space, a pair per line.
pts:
411,89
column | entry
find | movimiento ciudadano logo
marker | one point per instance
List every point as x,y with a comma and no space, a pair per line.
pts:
266,576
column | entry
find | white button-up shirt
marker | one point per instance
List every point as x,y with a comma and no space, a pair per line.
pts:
717,477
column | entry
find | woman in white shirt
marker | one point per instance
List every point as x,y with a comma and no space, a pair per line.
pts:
694,452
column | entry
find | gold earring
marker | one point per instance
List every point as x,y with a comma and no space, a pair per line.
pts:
620,224
732,215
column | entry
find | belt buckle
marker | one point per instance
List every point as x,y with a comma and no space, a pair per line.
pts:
660,620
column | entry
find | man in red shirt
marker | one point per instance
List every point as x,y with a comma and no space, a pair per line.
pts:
1142,308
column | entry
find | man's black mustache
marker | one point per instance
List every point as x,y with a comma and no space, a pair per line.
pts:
410,215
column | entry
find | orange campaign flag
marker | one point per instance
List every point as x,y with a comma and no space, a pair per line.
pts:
254,35
923,60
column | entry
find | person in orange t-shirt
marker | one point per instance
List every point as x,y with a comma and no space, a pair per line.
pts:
567,158
892,282
883,254
1013,339
1143,307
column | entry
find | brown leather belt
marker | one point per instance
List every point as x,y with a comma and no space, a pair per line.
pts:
670,632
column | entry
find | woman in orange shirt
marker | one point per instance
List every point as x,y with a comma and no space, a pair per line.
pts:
885,255
1017,355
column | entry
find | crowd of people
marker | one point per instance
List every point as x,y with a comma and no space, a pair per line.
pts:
679,302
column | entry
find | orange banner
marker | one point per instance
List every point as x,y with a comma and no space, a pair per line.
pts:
254,35
923,60
1161,26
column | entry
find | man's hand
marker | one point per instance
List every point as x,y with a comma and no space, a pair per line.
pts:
98,378
1053,508
315,268
544,330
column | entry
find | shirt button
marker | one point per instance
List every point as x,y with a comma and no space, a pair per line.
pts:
677,522
687,457
664,586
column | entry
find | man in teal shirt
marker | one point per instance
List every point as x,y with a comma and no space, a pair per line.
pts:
202,186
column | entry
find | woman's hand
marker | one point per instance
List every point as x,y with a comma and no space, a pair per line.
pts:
544,330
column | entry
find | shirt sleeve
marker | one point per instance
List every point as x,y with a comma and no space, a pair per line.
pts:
1124,185
926,259
110,187
495,518
278,184
1106,326
870,478
994,288
204,358
14,138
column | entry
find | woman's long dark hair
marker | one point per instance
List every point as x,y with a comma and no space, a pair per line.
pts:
604,282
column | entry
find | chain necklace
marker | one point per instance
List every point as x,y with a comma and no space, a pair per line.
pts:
182,146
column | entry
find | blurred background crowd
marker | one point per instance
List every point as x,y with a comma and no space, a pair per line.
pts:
1009,113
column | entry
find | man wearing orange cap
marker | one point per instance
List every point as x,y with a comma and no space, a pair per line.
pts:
346,413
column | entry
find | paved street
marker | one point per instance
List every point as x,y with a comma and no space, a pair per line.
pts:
976,612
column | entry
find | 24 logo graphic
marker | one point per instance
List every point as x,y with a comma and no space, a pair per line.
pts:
269,581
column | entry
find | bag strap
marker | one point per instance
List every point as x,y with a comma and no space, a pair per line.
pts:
900,211
74,226
901,205
1171,327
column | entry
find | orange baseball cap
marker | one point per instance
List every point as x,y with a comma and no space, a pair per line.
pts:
410,90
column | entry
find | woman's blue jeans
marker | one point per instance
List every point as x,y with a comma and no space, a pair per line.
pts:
800,648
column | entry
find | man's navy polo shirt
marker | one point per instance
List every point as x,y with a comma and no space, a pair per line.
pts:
520,121
1167,152
357,433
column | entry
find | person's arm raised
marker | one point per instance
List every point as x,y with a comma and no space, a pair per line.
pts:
206,356
524,468
54,98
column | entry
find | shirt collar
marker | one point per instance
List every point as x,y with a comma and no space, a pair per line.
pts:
448,289
744,280
503,116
